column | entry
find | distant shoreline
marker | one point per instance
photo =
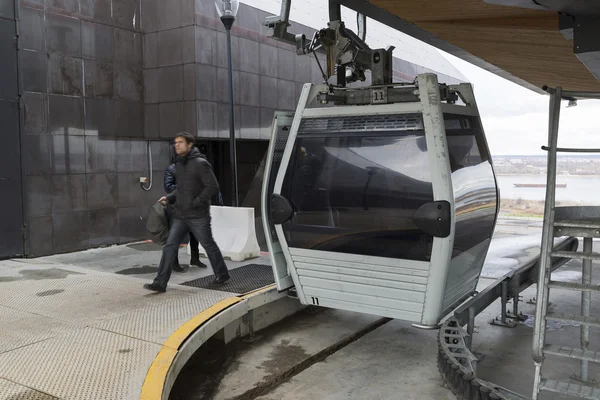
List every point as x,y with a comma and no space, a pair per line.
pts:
527,208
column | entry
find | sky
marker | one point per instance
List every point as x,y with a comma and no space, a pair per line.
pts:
515,119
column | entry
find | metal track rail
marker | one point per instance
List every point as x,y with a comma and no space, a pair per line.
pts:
456,362
457,365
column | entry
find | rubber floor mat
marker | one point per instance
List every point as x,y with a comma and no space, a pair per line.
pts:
242,280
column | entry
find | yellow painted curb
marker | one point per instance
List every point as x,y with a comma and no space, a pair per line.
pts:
261,290
184,331
157,374
154,383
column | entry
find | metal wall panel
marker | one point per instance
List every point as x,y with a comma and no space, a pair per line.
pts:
11,212
7,9
8,60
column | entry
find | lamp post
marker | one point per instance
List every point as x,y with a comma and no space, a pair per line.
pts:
227,10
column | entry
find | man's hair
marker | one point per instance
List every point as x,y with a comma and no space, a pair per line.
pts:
189,138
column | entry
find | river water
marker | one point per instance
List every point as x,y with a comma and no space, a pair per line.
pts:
580,189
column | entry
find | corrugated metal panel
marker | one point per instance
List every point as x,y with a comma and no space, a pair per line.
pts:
362,284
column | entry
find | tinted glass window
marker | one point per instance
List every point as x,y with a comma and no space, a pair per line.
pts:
475,195
356,193
465,141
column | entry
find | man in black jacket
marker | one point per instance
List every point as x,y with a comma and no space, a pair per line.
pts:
196,185
170,184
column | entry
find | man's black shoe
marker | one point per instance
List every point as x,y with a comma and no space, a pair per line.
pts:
221,279
155,288
198,263
178,268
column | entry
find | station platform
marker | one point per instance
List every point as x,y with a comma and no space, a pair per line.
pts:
81,325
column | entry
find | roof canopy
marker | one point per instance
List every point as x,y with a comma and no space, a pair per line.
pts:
532,43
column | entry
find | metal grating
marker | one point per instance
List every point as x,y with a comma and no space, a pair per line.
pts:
362,123
85,364
20,328
569,352
573,389
63,300
243,279
156,323
280,143
71,359
13,391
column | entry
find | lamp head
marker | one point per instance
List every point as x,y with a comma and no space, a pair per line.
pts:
227,8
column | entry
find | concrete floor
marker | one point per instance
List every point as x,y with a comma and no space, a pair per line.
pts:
397,361
141,261
246,370
282,349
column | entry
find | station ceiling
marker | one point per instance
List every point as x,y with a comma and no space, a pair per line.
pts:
530,42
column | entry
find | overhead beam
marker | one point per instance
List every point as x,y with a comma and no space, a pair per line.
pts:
395,22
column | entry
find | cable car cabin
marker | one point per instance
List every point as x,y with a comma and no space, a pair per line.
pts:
383,203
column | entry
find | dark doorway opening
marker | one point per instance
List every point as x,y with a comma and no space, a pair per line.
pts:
250,155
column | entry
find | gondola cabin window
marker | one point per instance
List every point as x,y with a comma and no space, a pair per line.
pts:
357,193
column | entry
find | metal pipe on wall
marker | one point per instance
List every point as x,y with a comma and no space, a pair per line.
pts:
149,167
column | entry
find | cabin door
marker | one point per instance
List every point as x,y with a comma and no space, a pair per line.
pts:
279,136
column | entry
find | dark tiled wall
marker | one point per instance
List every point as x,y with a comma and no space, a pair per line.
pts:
84,123
101,76
11,214
186,76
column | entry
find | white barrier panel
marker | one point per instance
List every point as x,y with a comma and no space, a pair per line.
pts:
234,231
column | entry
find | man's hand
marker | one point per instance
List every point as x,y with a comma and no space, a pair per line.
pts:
163,200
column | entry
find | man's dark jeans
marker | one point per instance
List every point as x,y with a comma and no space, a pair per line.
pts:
200,228
194,250
193,241
194,247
